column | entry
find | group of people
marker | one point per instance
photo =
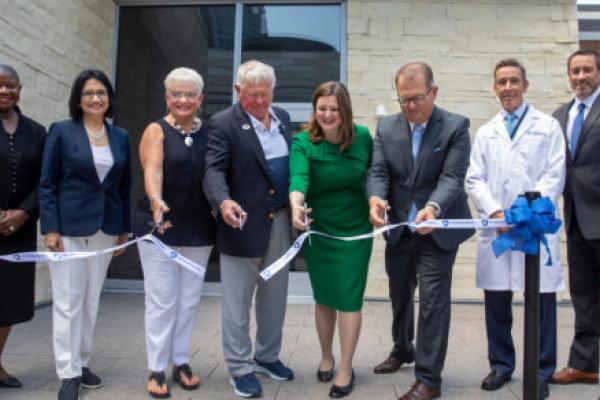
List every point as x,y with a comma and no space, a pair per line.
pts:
236,182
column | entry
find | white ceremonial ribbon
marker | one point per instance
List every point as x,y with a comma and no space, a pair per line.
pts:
493,223
42,256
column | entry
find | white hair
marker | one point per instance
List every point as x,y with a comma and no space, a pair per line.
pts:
183,74
255,72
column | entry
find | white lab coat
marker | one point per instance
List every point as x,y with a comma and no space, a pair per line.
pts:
499,171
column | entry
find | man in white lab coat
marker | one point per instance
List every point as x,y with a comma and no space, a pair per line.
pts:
520,149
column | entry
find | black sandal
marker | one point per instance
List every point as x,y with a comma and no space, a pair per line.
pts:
159,378
187,371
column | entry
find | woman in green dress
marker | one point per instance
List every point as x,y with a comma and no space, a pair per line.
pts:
328,163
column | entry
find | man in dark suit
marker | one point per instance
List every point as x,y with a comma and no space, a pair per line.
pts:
420,158
246,182
580,122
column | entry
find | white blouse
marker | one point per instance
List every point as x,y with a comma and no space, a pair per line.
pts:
103,160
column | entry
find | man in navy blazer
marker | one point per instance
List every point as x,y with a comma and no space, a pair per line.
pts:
246,183
420,158
580,122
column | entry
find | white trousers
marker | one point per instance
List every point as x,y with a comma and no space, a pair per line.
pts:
76,287
172,296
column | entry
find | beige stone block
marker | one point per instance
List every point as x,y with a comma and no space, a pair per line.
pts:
473,63
540,84
49,87
476,110
387,9
426,43
378,28
556,64
430,27
524,11
429,11
22,42
481,12
354,8
358,25
459,82
395,28
516,29
358,43
486,45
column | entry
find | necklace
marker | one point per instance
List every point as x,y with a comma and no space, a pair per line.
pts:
196,124
95,135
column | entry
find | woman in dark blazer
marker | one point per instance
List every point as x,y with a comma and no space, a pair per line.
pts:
84,206
21,146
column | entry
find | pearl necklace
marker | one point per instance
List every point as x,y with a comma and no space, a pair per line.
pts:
95,135
196,125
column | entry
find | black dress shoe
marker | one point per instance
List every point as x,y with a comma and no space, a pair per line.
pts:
342,391
543,391
392,364
11,383
69,390
90,380
495,380
325,376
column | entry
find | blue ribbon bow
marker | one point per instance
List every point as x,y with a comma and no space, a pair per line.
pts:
531,223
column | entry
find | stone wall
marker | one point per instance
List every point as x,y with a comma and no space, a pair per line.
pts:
48,43
462,40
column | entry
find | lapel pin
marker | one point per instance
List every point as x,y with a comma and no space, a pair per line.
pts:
245,127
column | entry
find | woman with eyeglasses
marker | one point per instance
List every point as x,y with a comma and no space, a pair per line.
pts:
21,146
84,206
172,155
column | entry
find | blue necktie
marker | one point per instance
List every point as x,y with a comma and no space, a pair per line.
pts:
577,124
509,122
417,135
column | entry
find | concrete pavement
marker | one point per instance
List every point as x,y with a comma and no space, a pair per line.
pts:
119,356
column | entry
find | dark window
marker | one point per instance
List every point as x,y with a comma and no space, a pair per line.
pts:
152,41
302,43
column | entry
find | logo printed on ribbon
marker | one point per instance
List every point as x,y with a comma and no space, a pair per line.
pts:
484,222
45,256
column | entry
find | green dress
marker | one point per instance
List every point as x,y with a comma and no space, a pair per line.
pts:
334,186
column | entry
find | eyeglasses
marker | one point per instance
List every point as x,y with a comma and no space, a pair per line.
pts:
101,94
181,95
418,99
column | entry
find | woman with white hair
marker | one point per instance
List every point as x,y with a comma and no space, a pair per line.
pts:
172,155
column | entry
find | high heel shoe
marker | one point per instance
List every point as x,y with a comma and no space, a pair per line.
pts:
325,376
342,391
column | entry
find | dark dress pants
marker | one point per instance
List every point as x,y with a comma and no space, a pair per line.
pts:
498,323
418,259
584,284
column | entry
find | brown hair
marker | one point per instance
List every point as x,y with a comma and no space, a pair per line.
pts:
510,62
342,96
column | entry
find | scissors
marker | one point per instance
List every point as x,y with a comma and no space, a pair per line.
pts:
385,216
306,222
240,219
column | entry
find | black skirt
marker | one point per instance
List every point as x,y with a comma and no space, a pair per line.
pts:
17,280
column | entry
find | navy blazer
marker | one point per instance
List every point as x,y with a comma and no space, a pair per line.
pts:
582,192
236,169
73,201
